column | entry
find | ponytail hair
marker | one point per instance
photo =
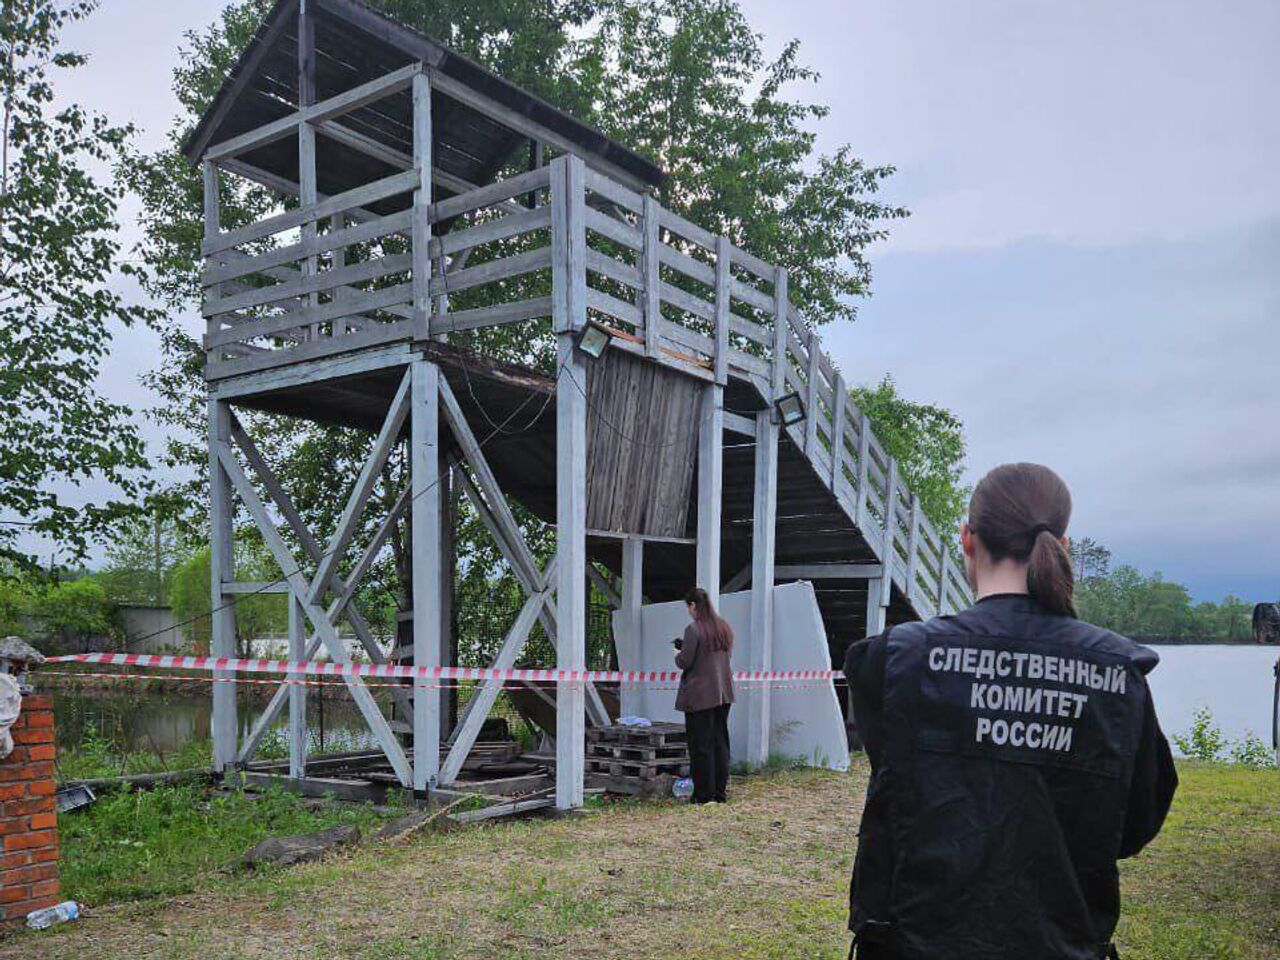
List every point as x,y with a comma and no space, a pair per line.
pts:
715,628
1021,511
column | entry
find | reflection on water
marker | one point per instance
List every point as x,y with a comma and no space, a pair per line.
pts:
162,722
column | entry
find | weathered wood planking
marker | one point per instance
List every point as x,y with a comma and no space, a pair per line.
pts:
642,439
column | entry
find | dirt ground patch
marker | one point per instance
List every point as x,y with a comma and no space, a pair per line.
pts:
764,876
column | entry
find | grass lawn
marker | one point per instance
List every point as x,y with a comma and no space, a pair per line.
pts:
765,876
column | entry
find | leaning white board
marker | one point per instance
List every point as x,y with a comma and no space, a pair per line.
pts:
804,720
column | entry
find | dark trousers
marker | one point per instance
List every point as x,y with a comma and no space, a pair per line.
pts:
708,732
872,951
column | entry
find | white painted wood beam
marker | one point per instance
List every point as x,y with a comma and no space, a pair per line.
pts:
710,489
424,459
222,641
763,540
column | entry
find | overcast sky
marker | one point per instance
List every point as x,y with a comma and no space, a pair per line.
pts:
1090,275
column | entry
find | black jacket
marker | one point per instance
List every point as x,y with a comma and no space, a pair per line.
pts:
1015,756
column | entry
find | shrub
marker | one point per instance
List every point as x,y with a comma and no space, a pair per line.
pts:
1205,741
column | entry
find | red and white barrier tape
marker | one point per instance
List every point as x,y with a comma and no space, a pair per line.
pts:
289,682
329,668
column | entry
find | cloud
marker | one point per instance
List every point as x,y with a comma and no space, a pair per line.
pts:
1093,121
1143,372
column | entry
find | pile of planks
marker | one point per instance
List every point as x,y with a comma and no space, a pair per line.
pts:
637,760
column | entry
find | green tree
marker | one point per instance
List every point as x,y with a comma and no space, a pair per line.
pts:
928,443
141,555
686,82
257,615
1089,558
17,600
1129,602
58,252
74,612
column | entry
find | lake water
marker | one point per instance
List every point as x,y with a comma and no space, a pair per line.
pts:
163,722
1235,682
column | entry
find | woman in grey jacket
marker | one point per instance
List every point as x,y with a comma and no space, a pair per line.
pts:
706,691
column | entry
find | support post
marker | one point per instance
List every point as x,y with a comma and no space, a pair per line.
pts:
837,432
875,612
814,375
724,261
424,459
222,636
421,229
308,193
864,468
306,53
710,485
568,300
650,291
297,692
448,564
913,548
778,380
632,590
888,533
763,533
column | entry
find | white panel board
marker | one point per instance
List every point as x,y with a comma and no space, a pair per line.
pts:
805,722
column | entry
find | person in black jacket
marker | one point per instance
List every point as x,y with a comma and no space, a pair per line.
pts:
1015,755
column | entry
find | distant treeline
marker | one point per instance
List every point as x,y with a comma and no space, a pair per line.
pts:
1149,607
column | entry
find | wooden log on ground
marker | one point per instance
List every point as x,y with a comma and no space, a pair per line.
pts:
144,781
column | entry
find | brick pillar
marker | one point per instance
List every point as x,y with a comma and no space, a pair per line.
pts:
28,815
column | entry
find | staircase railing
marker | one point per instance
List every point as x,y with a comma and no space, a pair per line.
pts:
682,295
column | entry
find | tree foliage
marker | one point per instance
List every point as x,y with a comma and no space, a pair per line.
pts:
257,615
58,252
1138,605
1089,559
72,612
928,442
141,556
686,82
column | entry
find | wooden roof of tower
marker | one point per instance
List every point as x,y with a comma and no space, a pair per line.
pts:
355,44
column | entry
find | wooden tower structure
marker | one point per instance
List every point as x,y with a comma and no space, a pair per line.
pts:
435,202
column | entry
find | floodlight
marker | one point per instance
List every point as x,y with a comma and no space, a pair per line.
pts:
593,340
790,409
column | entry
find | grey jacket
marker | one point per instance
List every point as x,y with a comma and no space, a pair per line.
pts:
707,681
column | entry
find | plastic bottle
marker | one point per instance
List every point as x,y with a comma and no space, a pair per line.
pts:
682,787
50,916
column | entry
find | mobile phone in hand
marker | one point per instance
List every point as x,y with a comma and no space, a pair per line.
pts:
678,643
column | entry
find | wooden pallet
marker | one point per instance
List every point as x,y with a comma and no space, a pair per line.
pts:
658,735
638,769
637,751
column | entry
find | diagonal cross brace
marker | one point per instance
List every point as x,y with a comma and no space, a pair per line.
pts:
532,582
480,704
369,473
323,626
312,549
